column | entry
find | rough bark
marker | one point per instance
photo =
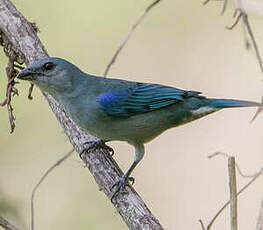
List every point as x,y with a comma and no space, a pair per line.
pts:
105,171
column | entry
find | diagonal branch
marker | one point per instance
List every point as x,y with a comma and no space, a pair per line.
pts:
254,177
6,225
231,166
129,34
104,169
240,13
58,162
228,202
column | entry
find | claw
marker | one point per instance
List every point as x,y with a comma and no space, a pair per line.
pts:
120,184
132,180
95,145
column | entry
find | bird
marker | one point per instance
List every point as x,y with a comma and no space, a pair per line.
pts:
114,109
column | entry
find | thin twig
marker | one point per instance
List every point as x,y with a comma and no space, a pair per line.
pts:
246,38
260,217
205,2
253,176
236,164
236,21
11,73
233,192
239,192
224,7
202,224
217,154
242,14
30,91
130,32
15,61
10,91
254,43
259,110
41,180
6,225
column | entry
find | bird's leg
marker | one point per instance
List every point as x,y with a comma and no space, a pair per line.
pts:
94,145
125,178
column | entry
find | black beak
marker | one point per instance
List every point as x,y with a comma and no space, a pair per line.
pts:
25,74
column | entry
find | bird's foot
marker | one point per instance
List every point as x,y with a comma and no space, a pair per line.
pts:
95,145
120,184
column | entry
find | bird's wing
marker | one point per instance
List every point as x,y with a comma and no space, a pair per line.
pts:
141,98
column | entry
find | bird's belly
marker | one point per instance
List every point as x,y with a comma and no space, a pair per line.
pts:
134,129
144,127
139,128
130,129
124,131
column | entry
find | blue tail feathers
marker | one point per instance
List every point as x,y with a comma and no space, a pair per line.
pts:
231,103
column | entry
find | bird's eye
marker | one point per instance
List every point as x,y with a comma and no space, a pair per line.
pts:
48,66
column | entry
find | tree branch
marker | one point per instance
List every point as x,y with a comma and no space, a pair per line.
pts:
6,225
104,169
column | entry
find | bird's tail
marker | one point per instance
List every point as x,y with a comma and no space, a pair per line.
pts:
231,103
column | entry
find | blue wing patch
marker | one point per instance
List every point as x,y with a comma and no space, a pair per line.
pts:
142,98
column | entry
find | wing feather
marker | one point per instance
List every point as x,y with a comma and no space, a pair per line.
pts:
142,98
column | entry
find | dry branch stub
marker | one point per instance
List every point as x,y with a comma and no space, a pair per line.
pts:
11,72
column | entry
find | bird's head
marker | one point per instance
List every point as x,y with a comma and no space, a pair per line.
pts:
53,75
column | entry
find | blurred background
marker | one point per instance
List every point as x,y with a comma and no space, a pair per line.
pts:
181,44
